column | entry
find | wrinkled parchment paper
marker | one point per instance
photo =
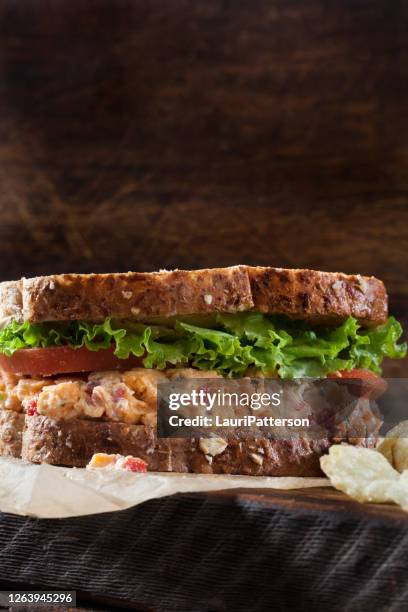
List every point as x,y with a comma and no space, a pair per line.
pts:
47,491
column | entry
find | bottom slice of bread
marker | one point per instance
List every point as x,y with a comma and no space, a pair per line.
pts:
11,433
72,443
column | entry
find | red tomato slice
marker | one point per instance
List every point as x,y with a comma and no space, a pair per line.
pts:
372,385
64,360
134,464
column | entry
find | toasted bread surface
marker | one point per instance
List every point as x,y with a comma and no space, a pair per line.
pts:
72,443
11,301
11,431
136,295
321,297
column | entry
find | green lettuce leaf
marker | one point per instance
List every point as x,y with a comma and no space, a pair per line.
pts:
235,343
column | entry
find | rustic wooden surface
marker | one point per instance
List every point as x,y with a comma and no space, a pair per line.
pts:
234,551
319,499
141,135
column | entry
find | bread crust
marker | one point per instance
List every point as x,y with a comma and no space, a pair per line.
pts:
135,295
11,301
11,432
72,443
319,297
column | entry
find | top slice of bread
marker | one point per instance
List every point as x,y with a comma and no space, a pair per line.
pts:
320,297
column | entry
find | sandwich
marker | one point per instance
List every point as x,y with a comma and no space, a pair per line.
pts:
81,356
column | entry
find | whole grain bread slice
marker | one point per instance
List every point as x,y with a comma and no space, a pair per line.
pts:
136,295
322,297
72,443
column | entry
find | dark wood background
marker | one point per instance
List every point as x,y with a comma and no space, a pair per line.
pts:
149,134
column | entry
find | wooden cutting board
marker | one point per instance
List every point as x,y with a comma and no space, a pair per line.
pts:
322,499
225,551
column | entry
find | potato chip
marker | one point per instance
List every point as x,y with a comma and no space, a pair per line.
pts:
399,491
395,446
399,431
362,473
400,453
386,448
